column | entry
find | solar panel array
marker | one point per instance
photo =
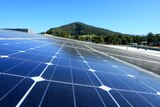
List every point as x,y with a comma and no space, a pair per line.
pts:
52,72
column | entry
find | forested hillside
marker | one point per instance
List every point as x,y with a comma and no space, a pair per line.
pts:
84,32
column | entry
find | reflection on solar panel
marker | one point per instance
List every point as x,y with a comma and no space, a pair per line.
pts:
48,72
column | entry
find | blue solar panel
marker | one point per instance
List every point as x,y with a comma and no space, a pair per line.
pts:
49,71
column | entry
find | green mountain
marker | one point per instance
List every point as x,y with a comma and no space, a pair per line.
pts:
78,28
84,32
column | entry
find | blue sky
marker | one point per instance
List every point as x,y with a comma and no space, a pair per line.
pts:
126,16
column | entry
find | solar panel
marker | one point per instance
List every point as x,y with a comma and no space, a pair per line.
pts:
50,71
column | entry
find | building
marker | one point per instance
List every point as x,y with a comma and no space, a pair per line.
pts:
20,29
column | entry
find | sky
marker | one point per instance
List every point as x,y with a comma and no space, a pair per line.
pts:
126,16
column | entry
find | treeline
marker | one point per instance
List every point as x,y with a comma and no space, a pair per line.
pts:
83,32
152,39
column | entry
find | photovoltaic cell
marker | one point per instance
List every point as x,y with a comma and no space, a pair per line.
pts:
62,74
59,95
87,96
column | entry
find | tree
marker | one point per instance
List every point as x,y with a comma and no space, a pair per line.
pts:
150,37
96,39
64,34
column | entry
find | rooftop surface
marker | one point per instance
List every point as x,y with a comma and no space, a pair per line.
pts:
47,71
